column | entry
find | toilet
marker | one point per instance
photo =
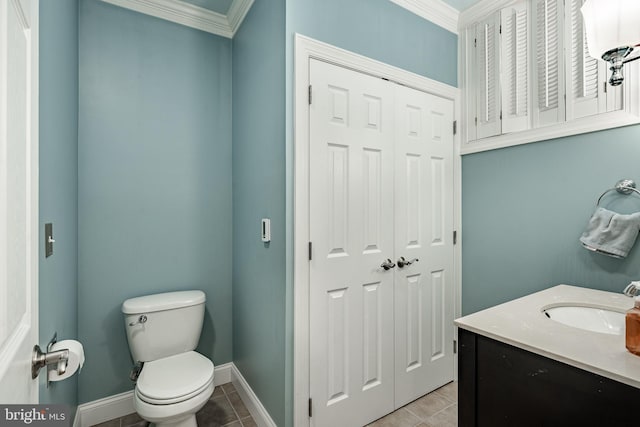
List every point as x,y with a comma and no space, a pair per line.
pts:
175,381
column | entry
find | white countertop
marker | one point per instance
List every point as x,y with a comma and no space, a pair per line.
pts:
522,323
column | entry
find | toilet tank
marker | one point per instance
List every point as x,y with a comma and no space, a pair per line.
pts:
162,325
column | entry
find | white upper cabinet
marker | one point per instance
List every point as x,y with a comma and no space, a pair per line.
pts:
487,79
515,65
548,84
586,77
527,76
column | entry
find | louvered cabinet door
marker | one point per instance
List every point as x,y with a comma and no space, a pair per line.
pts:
586,76
487,81
548,81
515,65
469,103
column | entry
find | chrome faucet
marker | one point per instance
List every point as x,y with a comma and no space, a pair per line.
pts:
632,289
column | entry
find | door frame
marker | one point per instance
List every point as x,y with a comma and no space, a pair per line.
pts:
305,49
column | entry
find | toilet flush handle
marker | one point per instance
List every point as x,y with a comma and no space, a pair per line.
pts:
141,319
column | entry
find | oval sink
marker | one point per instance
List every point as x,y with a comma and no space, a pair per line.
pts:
592,319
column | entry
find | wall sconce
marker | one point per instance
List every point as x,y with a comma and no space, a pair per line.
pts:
613,31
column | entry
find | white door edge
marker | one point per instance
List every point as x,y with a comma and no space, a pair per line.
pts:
16,353
305,49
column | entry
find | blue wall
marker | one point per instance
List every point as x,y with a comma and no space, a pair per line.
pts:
154,181
258,192
524,209
380,30
59,181
262,168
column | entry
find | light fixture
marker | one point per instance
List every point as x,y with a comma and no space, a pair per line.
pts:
613,32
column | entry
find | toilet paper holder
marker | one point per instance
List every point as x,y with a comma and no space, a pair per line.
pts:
39,359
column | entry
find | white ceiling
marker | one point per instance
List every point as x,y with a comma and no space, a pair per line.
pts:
461,4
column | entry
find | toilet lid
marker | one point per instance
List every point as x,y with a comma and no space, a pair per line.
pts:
175,376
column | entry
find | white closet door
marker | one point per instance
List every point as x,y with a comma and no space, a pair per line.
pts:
424,232
586,76
549,105
488,77
515,66
351,227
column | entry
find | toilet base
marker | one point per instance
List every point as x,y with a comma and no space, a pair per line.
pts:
181,414
187,422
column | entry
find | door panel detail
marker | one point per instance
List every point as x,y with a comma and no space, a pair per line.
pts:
437,315
339,106
337,350
372,348
413,118
437,200
437,126
414,324
372,192
339,193
373,112
413,200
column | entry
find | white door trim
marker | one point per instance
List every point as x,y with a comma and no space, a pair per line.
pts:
305,49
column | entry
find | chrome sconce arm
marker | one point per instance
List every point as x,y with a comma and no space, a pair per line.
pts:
617,58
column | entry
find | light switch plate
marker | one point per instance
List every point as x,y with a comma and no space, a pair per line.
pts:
48,239
266,230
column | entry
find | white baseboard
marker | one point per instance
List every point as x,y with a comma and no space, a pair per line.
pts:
106,409
251,401
119,405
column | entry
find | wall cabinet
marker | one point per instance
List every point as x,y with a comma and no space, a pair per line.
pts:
526,66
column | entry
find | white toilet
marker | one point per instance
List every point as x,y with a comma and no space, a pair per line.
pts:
175,381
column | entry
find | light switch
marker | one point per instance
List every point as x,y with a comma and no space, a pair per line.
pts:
266,230
48,239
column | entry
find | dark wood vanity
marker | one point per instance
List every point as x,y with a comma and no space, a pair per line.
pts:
503,385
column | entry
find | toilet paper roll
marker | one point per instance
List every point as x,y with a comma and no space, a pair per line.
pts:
75,362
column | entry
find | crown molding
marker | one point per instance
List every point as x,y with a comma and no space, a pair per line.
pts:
187,14
436,11
236,13
481,10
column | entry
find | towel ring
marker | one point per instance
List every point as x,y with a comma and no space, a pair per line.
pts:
624,186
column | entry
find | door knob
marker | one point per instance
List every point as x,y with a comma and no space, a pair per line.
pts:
403,262
387,265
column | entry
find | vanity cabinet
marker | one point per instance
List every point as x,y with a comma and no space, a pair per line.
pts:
502,385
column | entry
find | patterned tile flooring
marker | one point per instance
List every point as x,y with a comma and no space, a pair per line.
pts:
436,409
225,408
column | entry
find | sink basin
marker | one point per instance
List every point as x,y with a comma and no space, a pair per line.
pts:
594,319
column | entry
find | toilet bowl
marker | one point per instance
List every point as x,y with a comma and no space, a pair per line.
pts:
175,381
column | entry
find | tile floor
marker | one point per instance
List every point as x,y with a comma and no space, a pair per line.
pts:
436,409
225,408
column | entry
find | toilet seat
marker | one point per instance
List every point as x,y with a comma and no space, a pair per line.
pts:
175,378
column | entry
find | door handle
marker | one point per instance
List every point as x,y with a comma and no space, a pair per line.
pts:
387,265
403,262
